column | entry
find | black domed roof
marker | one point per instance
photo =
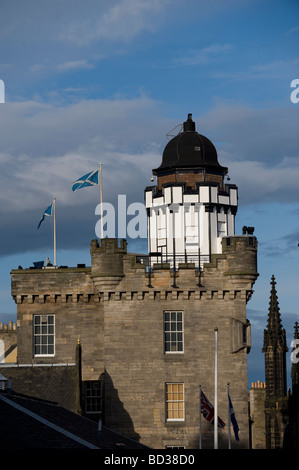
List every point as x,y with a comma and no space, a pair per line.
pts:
189,149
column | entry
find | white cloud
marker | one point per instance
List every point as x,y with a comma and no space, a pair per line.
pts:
36,68
293,30
122,21
278,69
56,145
44,148
259,182
74,65
265,135
205,55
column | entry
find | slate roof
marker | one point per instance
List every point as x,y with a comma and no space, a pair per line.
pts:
29,423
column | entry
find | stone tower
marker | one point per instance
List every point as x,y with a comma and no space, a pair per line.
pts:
147,323
161,310
275,348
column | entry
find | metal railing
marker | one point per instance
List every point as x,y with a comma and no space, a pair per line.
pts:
154,261
198,260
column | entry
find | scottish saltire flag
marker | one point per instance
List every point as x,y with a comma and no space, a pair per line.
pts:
233,419
90,179
207,410
47,212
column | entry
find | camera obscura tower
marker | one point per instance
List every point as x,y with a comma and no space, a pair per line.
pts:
146,323
190,209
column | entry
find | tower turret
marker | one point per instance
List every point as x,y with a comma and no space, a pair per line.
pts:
190,208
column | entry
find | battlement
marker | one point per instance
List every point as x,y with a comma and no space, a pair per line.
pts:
47,284
6,328
258,385
113,268
241,255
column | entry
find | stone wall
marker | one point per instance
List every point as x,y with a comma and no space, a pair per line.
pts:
117,311
69,295
139,368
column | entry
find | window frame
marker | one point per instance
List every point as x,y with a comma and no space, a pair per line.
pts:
169,410
46,335
174,331
91,399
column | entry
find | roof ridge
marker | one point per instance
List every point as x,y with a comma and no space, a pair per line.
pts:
48,423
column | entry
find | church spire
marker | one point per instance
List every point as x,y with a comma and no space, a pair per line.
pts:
274,335
275,348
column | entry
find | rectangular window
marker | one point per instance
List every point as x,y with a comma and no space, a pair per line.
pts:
44,335
92,396
175,410
173,332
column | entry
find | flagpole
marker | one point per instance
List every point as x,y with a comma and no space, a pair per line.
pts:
101,200
228,419
215,392
200,417
54,216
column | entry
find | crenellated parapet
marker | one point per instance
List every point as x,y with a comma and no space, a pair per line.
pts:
114,270
52,286
57,298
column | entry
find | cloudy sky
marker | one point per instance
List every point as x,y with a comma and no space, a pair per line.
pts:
106,81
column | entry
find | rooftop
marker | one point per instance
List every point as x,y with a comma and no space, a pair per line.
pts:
29,423
189,149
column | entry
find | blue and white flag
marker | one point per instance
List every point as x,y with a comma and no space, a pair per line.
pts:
233,419
47,212
90,179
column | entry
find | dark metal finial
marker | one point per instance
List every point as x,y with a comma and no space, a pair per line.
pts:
189,125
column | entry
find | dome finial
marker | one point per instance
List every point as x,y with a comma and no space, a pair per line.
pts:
189,125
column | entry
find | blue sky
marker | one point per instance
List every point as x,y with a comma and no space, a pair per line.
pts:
105,81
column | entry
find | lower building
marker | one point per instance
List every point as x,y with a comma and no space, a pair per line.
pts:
146,346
